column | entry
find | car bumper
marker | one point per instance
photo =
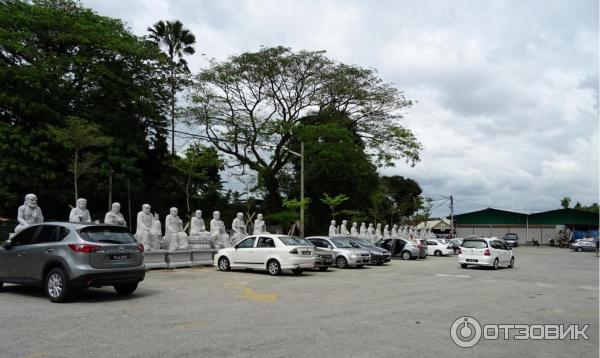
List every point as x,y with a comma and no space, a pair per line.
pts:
476,260
512,243
99,278
323,262
361,260
295,263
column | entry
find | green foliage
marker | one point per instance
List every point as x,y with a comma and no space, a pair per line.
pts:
565,202
405,193
333,202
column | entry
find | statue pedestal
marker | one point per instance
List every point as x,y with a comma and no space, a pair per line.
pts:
202,257
200,242
156,259
179,258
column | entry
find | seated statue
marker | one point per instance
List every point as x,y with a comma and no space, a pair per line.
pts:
259,225
80,214
371,233
199,237
354,230
114,216
238,228
394,234
344,228
143,225
363,231
332,229
378,234
153,242
386,232
175,238
217,232
28,213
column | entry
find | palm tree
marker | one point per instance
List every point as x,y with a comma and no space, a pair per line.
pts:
177,42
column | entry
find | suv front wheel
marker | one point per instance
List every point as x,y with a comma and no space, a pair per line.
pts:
56,286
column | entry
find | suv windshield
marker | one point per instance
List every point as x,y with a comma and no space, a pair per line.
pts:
341,243
293,241
474,244
364,243
109,234
510,237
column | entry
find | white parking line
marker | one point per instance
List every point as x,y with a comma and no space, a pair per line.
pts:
445,275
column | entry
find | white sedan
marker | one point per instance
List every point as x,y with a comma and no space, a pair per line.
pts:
489,252
439,248
272,253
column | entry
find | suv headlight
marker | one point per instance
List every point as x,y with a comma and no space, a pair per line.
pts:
354,254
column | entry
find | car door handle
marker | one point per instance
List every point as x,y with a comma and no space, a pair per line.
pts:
49,251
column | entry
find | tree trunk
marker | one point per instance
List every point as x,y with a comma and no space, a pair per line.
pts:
173,87
273,199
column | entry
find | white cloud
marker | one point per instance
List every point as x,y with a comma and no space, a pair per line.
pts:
507,90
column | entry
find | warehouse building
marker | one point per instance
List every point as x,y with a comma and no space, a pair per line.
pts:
540,227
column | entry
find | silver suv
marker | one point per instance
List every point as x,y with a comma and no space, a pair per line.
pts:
63,257
344,254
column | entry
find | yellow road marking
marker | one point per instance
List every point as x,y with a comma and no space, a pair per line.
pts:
37,355
252,295
186,325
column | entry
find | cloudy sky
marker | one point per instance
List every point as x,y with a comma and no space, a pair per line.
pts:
506,91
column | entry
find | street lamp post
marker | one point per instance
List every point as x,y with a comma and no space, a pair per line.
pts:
301,155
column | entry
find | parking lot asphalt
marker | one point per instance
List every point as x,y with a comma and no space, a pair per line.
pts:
403,309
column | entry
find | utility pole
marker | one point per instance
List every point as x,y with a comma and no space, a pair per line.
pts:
451,217
302,189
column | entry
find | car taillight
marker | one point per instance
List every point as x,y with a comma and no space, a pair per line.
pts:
294,251
85,248
140,247
486,252
420,246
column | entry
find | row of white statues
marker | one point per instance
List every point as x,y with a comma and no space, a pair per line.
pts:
375,234
149,228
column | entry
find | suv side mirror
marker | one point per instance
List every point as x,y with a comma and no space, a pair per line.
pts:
329,247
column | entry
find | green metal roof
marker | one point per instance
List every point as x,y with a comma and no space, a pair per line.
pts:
564,217
491,216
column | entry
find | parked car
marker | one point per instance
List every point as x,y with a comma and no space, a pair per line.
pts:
405,249
345,255
439,247
379,255
511,239
453,243
323,257
489,252
63,257
272,253
583,245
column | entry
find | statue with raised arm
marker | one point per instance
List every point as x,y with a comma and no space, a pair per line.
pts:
217,232
332,228
363,231
344,228
174,234
354,230
80,214
259,225
114,216
238,228
29,213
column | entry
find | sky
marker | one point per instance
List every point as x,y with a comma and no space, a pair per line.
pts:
506,91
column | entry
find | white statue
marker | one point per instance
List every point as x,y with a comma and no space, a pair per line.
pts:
371,232
238,228
259,225
395,234
29,213
143,225
175,238
197,224
114,216
354,230
363,231
218,233
344,228
386,232
378,234
80,214
332,228
153,240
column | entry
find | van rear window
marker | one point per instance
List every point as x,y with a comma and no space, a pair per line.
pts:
474,244
108,234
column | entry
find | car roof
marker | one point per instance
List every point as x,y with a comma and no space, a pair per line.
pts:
76,226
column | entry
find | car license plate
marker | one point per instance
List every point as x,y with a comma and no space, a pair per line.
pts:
305,252
327,262
119,257
471,260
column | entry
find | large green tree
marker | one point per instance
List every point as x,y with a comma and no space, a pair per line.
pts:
177,42
59,60
249,106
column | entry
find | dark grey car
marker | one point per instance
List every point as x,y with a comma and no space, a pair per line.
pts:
379,255
63,257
